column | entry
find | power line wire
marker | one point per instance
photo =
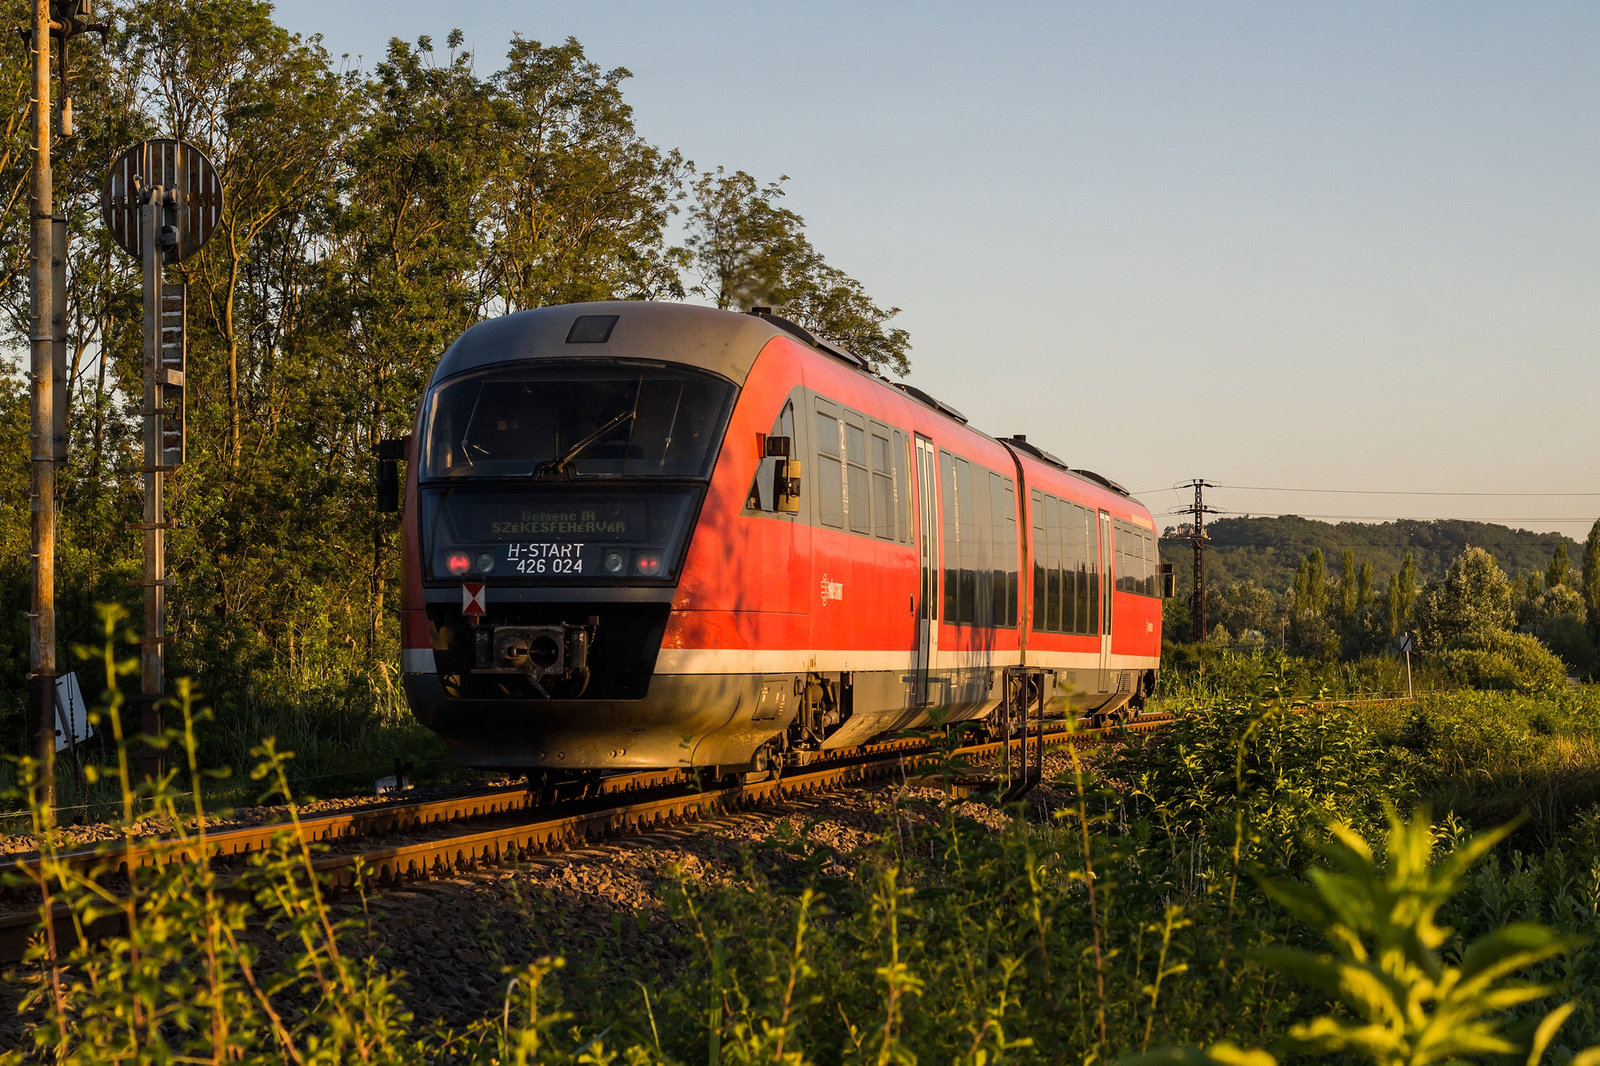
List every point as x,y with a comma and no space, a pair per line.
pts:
1373,517
1373,492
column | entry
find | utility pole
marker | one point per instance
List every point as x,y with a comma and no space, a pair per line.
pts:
60,21
1198,538
41,366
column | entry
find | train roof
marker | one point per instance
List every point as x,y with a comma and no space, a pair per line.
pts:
723,342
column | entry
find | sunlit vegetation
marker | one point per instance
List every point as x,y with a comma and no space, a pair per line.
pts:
1261,878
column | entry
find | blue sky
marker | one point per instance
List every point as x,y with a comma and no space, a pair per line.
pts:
1343,246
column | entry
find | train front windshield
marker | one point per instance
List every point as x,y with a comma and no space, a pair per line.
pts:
569,473
577,421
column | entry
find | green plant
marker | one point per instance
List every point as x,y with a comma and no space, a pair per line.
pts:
1406,1004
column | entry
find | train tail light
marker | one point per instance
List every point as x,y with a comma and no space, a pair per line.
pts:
458,563
649,564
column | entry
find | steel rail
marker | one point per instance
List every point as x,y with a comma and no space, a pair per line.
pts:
241,841
422,860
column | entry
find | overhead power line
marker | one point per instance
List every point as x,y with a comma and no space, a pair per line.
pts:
1371,492
1373,517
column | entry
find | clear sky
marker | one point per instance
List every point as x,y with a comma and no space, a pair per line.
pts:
1342,246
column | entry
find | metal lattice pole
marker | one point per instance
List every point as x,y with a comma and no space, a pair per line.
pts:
1198,538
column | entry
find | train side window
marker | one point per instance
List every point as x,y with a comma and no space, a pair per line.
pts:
1071,563
1037,553
1052,565
1083,565
1091,565
857,488
952,549
830,472
902,487
761,489
883,509
1003,523
1122,579
997,541
1150,565
976,516
1013,557
1061,569
966,541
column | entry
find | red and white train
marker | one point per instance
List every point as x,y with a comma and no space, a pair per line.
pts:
650,535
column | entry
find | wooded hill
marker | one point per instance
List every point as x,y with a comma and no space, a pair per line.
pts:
1267,550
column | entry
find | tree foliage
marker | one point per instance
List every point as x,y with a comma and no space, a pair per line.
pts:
1560,567
1475,598
750,251
371,216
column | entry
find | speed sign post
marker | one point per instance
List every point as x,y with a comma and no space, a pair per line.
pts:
162,201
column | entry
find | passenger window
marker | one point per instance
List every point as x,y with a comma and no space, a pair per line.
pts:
952,547
1052,576
830,473
1071,549
967,537
1039,557
902,488
1003,534
1012,554
883,508
857,494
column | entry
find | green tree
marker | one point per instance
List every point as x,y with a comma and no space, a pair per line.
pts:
579,202
1364,583
1347,585
1560,566
1474,600
1408,588
748,251
1316,582
1591,574
271,114
1393,602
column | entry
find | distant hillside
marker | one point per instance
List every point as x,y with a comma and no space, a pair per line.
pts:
1267,550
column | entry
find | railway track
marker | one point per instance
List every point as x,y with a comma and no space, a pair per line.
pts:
440,837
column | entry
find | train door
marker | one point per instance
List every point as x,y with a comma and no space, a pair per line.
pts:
1107,581
928,560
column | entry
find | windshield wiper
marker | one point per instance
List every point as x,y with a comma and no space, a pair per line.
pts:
559,468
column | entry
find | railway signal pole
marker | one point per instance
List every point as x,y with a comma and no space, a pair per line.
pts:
162,201
1198,538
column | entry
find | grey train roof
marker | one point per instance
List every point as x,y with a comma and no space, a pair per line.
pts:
724,342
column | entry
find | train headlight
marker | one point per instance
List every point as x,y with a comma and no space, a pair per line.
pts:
615,562
649,564
485,563
458,563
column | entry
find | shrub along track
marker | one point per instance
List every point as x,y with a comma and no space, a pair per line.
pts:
439,838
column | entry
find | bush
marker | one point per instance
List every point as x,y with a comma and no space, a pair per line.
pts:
1496,659
1565,635
1287,770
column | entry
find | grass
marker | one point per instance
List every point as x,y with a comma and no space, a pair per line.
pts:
1183,904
